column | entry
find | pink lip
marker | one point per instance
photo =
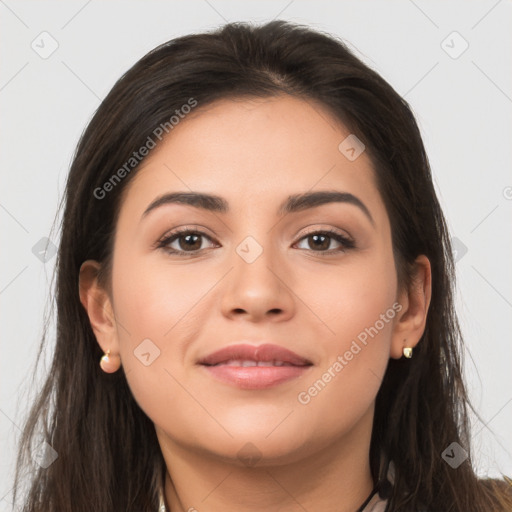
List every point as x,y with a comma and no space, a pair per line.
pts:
254,377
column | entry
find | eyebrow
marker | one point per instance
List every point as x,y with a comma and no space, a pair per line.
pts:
292,204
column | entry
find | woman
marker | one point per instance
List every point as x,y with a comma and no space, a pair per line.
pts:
304,354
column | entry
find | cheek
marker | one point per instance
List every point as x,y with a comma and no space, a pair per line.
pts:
154,300
158,311
350,298
359,310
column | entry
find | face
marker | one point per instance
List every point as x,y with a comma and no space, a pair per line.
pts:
318,280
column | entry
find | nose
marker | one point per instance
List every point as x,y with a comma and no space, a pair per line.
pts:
259,286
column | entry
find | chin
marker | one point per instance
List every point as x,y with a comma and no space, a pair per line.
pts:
255,447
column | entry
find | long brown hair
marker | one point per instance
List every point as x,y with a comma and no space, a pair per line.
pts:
108,453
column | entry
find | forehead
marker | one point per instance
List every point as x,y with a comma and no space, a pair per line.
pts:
253,151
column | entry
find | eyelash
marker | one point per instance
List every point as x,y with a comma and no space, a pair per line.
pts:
176,234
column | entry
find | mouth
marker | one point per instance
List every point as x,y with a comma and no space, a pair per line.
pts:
254,367
246,363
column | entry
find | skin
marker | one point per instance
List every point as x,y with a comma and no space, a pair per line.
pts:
254,153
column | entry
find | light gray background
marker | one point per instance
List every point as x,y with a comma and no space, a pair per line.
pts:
463,106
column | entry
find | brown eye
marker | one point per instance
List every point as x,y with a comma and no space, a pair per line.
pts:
188,242
320,241
184,241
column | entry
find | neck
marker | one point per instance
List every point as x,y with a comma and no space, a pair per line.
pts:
336,477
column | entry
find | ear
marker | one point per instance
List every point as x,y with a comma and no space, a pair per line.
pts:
415,301
98,305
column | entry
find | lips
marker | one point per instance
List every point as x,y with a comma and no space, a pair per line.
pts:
254,367
250,355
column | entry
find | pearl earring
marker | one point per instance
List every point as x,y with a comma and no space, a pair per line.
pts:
110,364
407,352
